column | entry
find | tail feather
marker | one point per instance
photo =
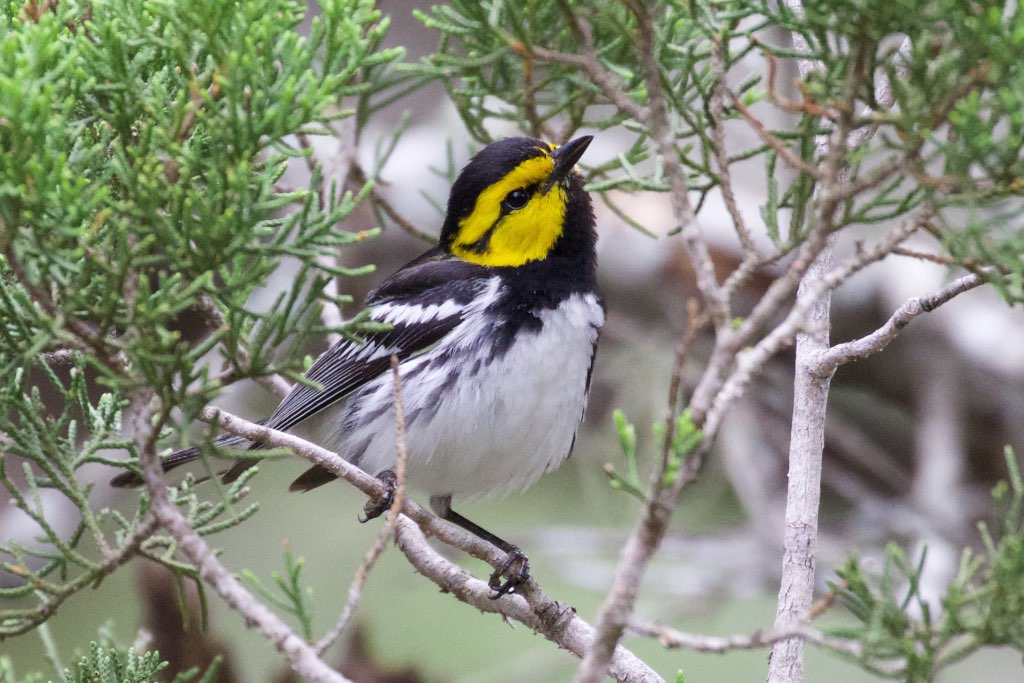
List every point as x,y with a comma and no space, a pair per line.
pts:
185,456
312,478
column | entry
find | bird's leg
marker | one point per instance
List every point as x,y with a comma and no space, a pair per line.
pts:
516,567
375,507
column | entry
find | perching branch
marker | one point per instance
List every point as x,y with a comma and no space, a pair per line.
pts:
555,621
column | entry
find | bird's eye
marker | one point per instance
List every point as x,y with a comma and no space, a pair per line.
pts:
516,199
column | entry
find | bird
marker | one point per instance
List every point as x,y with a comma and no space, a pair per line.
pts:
495,330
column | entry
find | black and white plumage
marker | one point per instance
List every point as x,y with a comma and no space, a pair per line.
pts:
495,330
492,397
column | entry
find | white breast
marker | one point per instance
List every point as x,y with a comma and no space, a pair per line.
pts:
489,425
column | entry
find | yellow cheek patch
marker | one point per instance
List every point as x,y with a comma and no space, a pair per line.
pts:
521,236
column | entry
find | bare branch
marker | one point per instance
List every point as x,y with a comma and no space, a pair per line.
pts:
803,494
867,345
673,639
663,135
300,654
810,389
556,621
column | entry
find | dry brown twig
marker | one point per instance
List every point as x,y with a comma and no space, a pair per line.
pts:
777,145
591,64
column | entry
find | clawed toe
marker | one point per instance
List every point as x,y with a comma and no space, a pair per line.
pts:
515,571
512,573
376,507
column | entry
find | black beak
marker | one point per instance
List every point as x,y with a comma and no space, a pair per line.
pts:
565,158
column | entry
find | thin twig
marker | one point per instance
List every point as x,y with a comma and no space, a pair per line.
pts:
716,108
674,639
664,137
777,145
867,345
387,532
538,127
189,120
315,168
360,176
969,264
56,595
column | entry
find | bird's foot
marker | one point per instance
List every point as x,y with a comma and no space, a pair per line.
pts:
515,570
375,507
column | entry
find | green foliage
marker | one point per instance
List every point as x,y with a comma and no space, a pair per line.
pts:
111,665
143,143
108,666
630,482
981,607
107,663
294,598
139,185
684,439
686,436
48,452
949,131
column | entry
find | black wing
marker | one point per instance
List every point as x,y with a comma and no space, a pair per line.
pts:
423,302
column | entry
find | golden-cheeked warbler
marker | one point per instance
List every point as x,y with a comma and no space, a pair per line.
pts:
495,330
